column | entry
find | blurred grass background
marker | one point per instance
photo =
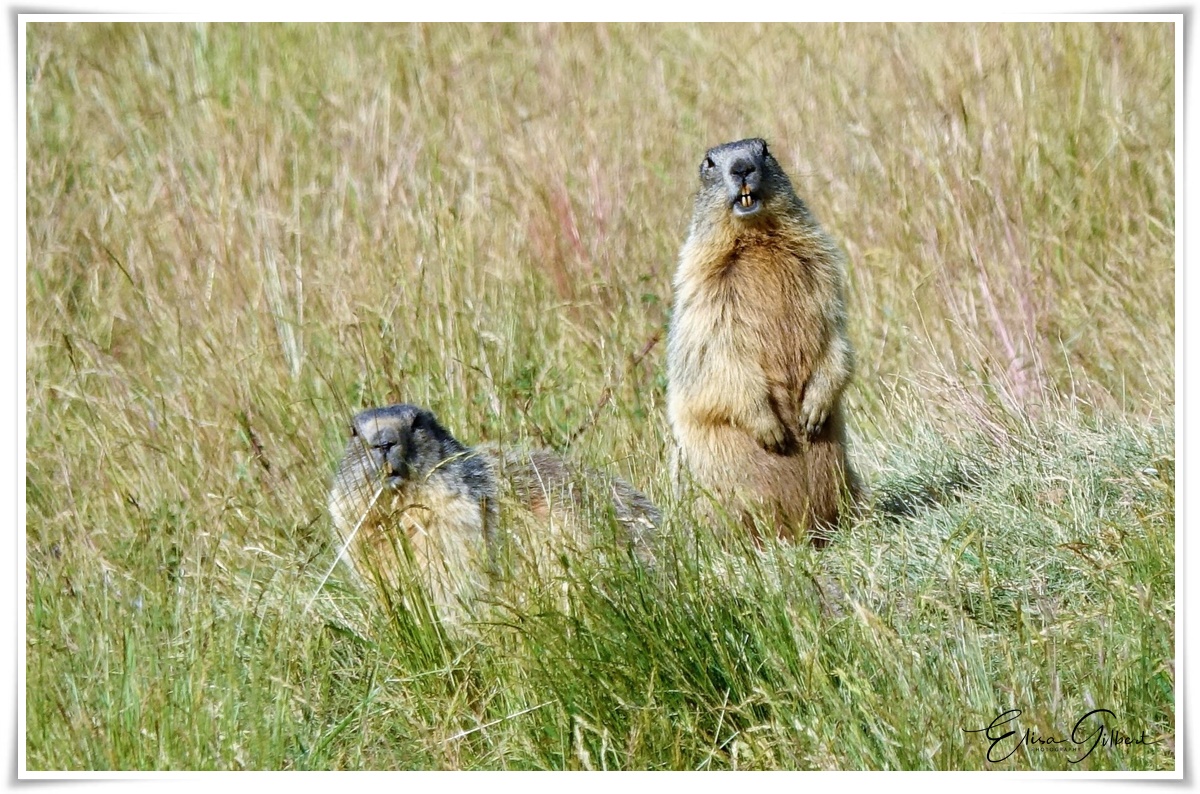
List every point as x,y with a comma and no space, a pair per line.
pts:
238,235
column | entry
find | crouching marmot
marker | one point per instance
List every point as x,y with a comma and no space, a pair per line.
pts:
405,486
758,353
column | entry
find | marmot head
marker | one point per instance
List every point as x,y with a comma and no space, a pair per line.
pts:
398,444
742,179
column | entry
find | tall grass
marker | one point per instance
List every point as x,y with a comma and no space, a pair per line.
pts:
238,235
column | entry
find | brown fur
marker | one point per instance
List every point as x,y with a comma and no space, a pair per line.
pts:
758,354
404,479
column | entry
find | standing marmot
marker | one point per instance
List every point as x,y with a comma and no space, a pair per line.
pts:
403,474
758,354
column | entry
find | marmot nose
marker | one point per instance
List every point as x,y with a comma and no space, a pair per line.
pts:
742,168
392,460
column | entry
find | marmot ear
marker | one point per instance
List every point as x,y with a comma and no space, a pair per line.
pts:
424,419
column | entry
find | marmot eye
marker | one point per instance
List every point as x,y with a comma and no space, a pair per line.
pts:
765,152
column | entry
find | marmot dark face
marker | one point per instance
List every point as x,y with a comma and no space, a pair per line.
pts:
744,176
401,442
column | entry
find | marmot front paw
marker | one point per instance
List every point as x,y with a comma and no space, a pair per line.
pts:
772,436
812,418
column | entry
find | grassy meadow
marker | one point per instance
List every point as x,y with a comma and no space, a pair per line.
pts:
240,235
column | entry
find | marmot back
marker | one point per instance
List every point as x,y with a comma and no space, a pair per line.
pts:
757,353
404,480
